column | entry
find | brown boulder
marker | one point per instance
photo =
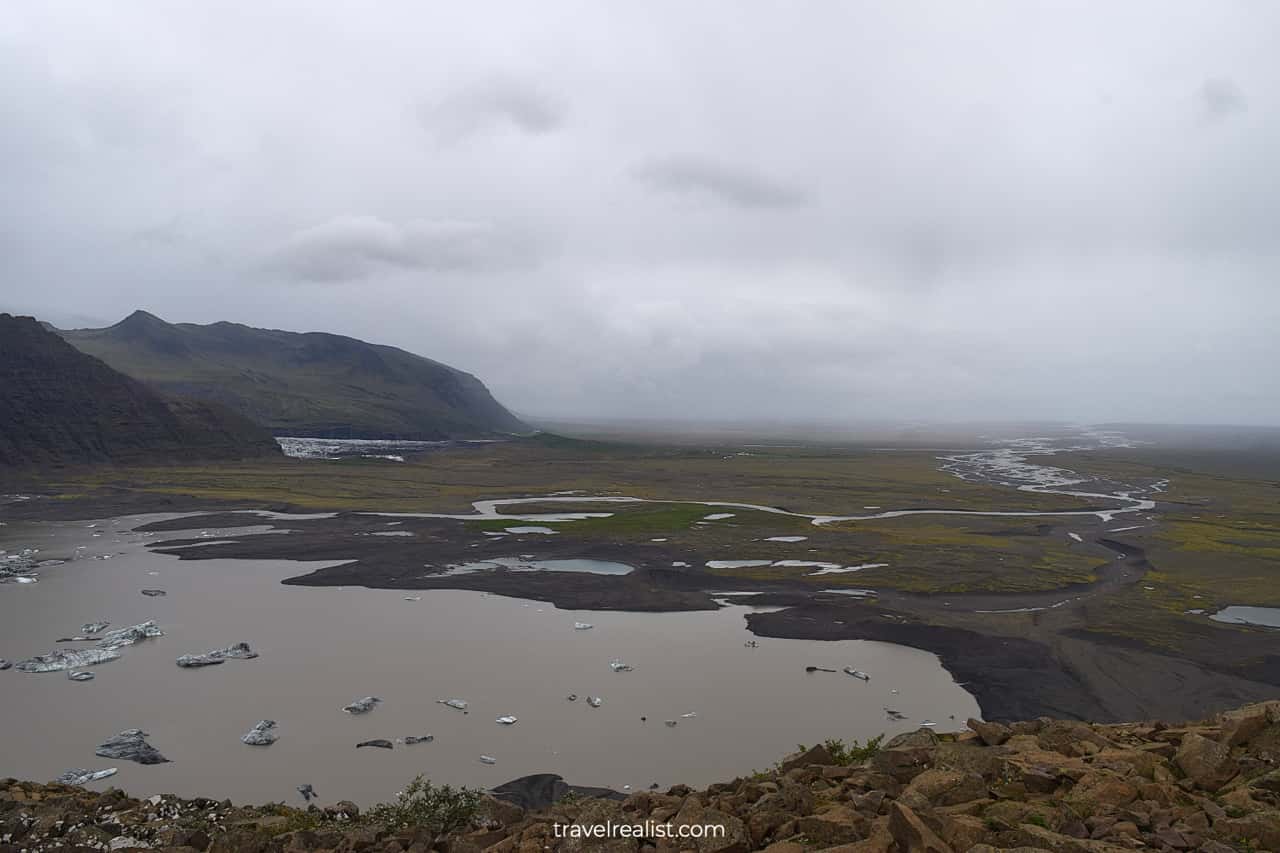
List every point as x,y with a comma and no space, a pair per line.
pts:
1100,790
837,825
731,837
813,755
992,734
911,834
947,787
1206,762
1261,829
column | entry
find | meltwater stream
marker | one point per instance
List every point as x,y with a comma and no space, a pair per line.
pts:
1006,465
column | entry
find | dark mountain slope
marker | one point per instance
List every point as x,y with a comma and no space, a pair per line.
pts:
310,384
60,406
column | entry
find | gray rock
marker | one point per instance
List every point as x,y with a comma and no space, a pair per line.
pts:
152,593
131,745
380,743
80,776
261,734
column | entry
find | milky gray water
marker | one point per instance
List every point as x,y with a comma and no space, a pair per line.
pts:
322,648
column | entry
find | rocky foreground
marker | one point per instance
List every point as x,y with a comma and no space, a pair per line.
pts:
1042,785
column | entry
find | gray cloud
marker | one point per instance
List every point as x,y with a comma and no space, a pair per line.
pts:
494,103
728,184
884,220
356,247
1220,98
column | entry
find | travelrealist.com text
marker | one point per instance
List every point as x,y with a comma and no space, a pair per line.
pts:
645,829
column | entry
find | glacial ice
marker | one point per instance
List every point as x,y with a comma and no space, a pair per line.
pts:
80,776
79,675
362,706
217,656
261,734
131,745
380,743
61,659
130,635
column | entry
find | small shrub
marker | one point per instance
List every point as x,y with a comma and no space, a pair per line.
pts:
1038,820
437,808
853,752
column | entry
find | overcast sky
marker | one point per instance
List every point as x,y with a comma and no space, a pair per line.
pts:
835,210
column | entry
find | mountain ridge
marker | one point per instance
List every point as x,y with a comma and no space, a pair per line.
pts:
315,384
60,406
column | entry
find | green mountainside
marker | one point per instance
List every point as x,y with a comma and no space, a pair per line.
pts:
305,384
59,406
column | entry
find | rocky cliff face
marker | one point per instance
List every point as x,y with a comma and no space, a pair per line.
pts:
303,384
59,406
1030,787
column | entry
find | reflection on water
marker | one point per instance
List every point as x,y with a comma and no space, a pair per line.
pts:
321,647
515,564
1240,615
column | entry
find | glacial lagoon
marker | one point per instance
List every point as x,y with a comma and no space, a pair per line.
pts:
323,648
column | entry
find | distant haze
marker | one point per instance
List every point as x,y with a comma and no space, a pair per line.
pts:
821,211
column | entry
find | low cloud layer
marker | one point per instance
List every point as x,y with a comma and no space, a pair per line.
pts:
919,211
492,105
725,183
357,247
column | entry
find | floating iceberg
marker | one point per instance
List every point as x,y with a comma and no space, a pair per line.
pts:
410,740
856,673
94,627
488,759
80,776
67,659
4,664
362,706
261,734
79,675
131,745
457,704
595,701
582,626
618,666
307,792
217,656
130,635
507,720
380,743
153,593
